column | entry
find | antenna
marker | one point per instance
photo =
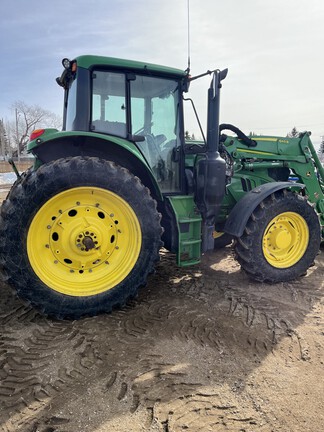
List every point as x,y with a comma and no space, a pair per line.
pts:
188,31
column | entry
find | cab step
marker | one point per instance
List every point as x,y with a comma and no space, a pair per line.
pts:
189,230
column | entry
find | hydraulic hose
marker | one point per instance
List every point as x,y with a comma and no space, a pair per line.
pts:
245,139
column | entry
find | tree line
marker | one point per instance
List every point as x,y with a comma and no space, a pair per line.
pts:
14,133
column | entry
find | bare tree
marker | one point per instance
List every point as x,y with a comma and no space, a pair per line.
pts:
27,119
3,139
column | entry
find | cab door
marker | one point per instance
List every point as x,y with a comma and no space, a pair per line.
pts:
155,118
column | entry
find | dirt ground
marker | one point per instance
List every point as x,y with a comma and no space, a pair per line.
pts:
200,349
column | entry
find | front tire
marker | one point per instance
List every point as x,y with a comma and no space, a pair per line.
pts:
79,236
281,239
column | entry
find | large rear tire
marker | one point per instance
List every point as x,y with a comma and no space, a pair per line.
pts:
281,239
79,236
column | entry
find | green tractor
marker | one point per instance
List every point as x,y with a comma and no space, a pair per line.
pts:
81,230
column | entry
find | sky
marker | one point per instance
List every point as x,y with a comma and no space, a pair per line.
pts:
273,49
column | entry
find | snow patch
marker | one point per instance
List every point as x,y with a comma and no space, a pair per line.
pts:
7,178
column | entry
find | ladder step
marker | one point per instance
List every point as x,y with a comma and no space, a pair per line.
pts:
189,229
189,242
190,262
189,220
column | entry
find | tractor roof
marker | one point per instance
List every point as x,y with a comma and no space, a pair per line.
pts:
88,61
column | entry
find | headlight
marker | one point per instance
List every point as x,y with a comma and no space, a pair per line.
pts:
66,63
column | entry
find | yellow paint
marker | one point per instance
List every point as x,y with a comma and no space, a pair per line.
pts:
217,234
84,241
264,139
285,240
255,152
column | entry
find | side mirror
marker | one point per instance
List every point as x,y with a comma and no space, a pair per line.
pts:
223,74
218,76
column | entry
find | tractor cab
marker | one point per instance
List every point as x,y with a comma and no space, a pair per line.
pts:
136,102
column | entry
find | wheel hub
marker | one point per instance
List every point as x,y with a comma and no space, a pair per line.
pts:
279,238
83,237
88,243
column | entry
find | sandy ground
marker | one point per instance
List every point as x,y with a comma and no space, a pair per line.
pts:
200,349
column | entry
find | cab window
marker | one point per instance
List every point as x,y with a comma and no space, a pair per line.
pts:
109,103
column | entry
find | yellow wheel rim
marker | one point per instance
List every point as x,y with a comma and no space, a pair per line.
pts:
84,241
285,240
217,234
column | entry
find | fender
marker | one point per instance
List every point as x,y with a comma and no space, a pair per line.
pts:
243,209
53,144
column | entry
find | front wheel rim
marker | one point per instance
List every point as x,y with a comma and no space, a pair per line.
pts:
285,240
217,234
84,241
